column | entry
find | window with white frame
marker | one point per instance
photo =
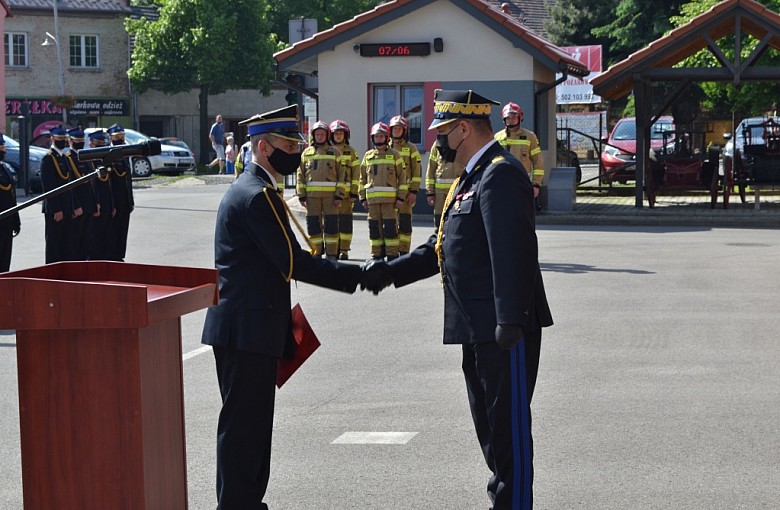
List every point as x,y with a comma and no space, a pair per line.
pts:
15,49
84,51
391,100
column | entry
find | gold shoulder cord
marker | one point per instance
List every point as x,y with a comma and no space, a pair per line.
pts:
57,166
440,233
288,276
73,166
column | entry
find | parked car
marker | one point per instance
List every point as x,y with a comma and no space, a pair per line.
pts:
738,142
620,153
172,140
34,162
171,160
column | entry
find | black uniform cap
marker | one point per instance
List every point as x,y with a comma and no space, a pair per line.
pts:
450,105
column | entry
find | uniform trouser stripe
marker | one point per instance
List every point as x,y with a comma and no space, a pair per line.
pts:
523,474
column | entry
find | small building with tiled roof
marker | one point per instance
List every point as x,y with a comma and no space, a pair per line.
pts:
389,61
93,45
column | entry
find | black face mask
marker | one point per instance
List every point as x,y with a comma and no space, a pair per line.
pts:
77,146
118,141
284,163
61,144
2,155
447,152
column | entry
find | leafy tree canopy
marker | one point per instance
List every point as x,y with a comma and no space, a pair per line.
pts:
326,12
750,98
221,44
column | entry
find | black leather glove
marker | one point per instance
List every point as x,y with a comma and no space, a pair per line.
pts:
376,276
302,200
508,335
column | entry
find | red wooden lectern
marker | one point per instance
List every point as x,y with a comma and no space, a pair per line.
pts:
101,402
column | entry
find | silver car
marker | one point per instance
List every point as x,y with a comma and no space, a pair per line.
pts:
171,160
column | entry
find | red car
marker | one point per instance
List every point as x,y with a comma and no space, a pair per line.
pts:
619,156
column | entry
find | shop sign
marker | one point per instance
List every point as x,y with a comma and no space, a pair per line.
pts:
92,107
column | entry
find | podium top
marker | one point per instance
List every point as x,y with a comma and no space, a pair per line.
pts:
102,295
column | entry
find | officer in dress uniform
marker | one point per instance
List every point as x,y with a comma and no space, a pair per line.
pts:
104,205
382,191
494,299
82,226
522,143
350,165
257,255
122,195
11,225
440,176
320,189
59,211
399,141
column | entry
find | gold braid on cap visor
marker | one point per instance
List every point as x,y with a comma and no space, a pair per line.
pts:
461,108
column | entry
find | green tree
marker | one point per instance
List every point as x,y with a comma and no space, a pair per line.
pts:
572,20
326,12
211,45
635,24
750,98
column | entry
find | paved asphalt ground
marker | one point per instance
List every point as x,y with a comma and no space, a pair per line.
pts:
659,385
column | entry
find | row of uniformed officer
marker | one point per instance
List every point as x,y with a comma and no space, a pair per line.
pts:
90,221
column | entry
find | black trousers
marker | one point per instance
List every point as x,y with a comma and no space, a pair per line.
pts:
500,386
57,239
6,244
120,225
247,383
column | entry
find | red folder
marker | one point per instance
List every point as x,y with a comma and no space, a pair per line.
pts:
306,343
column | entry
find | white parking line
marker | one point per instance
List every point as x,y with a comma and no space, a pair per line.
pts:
374,438
194,353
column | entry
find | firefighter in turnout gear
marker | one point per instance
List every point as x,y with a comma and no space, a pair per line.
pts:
399,133
382,191
350,165
321,189
441,174
522,143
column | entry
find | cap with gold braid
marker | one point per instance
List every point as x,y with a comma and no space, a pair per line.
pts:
282,123
451,105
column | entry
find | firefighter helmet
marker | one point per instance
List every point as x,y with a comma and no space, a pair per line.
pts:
398,120
379,127
512,108
319,125
337,125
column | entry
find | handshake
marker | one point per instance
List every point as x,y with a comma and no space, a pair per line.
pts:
376,276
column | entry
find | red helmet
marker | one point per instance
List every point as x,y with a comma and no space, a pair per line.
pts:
379,127
512,108
399,121
340,124
319,125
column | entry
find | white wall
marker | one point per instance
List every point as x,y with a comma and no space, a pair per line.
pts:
472,52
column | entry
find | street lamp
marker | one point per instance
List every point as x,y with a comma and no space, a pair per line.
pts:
50,39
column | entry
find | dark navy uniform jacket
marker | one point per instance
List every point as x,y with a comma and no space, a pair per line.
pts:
491,271
253,254
51,179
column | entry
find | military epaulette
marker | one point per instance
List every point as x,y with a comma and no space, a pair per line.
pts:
497,160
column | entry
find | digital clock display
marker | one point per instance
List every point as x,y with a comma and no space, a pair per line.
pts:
395,50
